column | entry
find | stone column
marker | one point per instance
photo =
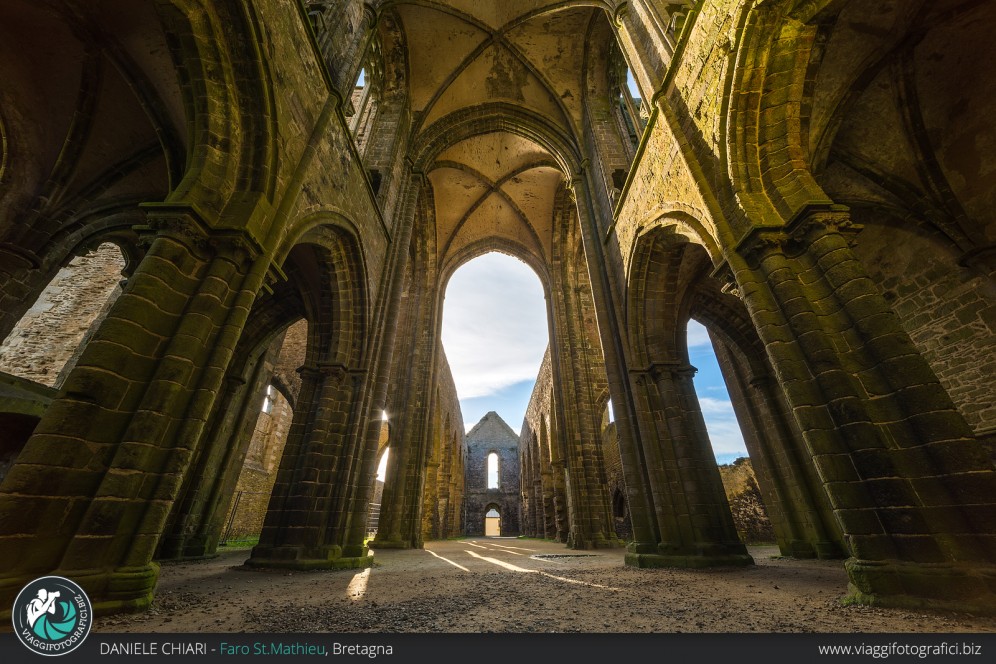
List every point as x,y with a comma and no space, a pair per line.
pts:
539,517
797,505
217,466
298,531
910,485
90,494
605,287
693,514
389,317
648,31
591,515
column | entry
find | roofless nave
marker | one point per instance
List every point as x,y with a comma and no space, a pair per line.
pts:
813,180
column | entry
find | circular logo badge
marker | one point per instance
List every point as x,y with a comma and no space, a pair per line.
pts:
52,615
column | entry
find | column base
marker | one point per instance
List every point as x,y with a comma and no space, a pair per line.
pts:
598,542
306,558
376,543
652,560
941,586
805,550
648,555
124,590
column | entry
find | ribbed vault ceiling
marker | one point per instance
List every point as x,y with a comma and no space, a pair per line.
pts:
526,54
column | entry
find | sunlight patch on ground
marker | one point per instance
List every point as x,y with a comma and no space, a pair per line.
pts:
515,568
357,587
448,561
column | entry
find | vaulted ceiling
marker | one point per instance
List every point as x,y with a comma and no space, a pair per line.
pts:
98,117
497,188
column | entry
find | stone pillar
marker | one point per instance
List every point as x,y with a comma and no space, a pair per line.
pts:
692,510
591,514
910,486
210,482
539,517
390,317
648,31
343,30
401,508
298,531
92,489
797,505
605,289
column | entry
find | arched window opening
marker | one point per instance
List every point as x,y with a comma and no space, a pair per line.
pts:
373,513
493,471
259,471
271,430
494,332
268,442
48,340
618,504
268,399
492,522
365,99
631,105
382,466
726,436
714,398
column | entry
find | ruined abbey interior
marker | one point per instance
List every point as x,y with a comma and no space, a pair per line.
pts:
226,229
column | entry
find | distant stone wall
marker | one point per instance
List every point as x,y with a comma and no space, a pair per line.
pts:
749,513
50,332
489,435
616,484
292,353
252,492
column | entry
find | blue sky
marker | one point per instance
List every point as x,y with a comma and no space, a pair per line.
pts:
495,333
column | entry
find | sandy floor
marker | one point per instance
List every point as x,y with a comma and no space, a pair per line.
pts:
497,585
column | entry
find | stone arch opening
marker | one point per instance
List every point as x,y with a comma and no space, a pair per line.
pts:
492,520
494,332
45,344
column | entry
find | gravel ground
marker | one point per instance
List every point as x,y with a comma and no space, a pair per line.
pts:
497,585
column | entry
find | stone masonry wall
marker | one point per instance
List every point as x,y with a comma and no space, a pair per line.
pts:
489,435
615,483
51,331
949,311
252,492
749,513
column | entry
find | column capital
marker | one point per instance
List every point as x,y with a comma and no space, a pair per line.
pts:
186,224
797,233
657,370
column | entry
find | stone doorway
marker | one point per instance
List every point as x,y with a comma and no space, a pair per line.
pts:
492,522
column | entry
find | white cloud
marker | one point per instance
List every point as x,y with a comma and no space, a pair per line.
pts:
725,435
495,332
718,406
697,334
494,325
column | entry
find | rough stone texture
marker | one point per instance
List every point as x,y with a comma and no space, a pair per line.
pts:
749,513
949,313
491,435
211,140
543,471
244,519
615,481
51,331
